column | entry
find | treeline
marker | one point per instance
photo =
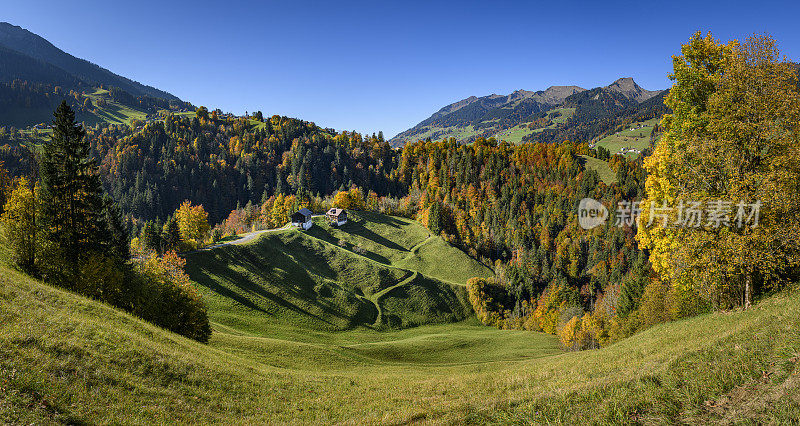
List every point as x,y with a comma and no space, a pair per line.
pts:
223,163
59,226
21,99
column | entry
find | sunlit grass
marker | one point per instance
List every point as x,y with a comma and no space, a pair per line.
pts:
64,358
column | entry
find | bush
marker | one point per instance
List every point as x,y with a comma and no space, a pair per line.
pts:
488,299
102,278
168,299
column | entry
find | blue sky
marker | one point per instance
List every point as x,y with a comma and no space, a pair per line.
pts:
370,66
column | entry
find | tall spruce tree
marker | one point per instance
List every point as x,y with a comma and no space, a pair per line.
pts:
171,234
72,198
118,242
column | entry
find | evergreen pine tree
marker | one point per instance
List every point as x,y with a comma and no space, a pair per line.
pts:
118,238
72,197
170,234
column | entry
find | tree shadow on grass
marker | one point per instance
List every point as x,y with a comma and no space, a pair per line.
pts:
358,228
325,235
202,278
251,271
381,219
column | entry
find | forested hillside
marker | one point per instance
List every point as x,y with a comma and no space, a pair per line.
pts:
48,58
600,111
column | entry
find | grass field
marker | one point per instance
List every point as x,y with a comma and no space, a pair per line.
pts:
439,133
512,135
67,359
113,112
289,279
601,167
634,136
516,133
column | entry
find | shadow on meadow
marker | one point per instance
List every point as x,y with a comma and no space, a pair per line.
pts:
258,279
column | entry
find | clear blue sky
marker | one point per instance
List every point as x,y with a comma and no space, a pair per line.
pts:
370,66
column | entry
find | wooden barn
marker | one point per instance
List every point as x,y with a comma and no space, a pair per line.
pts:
337,217
302,218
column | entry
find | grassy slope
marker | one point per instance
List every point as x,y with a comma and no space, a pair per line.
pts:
66,358
286,282
512,135
516,133
637,138
113,112
601,167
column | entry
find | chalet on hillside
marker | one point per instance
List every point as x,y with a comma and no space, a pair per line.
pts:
302,218
337,217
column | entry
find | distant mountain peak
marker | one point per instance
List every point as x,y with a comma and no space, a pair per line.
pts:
517,114
628,88
557,94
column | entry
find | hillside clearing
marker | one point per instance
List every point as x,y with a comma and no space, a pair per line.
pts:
601,167
635,136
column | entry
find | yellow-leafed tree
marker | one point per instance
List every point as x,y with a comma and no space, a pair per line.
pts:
732,137
5,187
19,222
192,224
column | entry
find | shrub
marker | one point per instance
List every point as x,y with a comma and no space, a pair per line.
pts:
488,299
168,299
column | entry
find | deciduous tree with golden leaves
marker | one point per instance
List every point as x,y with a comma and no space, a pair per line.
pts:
192,223
732,136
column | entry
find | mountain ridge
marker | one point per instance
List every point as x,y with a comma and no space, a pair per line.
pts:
25,42
536,111
628,88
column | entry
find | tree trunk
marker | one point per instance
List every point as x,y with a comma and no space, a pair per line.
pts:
748,291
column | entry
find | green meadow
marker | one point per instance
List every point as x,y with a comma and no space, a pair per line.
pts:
369,324
635,135
113,112
601,167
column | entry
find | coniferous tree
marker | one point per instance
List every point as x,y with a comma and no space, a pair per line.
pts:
72,197
170,235
118,241
151,236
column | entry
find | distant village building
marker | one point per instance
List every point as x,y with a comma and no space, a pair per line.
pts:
302,219
337,217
